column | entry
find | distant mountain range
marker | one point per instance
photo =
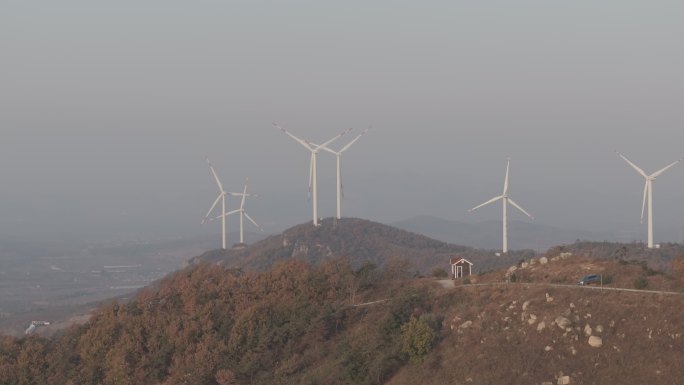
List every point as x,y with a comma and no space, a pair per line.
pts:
487,235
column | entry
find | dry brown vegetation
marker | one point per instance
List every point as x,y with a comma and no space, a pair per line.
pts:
370,320
299,324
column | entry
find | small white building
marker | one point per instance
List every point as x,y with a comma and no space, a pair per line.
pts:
460,267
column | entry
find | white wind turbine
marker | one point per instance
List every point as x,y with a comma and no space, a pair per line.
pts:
313,183
242,211
222,198
506,200
338,154
648,193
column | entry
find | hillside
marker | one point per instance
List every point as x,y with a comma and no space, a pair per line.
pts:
336,324
487,235
360,240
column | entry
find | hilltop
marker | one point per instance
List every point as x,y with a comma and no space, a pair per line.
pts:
361,241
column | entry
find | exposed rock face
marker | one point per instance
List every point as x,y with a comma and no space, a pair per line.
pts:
563,322
595,342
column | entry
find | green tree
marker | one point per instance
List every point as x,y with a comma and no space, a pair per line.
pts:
417,339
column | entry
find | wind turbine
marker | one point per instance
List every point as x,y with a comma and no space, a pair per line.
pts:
222,198
313,183
648,193
338,154
506,200
242,211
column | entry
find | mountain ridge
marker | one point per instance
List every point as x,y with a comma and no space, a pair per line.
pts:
362,241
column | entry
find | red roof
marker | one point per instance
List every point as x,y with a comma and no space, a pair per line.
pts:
457,260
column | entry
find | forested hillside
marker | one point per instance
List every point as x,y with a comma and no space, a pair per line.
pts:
335,323
212,325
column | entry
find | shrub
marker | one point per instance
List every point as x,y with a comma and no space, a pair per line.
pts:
640,283
466,281
607,279
514,278
439,273
417,339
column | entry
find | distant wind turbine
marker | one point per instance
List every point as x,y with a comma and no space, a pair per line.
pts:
242,211
313,183
506,200
222,198
648,193
338,154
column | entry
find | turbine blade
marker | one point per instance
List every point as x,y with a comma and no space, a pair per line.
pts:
218,182
643,206
634,166
486,203
657,173
229,213
212,208
326,149
519,208
334,139
345,148
300,141
508,166
252,220
244,194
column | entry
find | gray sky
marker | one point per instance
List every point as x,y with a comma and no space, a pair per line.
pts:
108,108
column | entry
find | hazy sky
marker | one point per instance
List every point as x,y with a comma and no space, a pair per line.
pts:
107,110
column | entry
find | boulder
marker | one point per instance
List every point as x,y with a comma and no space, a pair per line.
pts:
541,326
543,260
563,322
595,342
587,330
565,380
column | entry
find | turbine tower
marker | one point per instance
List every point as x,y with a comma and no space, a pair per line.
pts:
242,211
338,154
648,193
222,198
313,183
506,200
